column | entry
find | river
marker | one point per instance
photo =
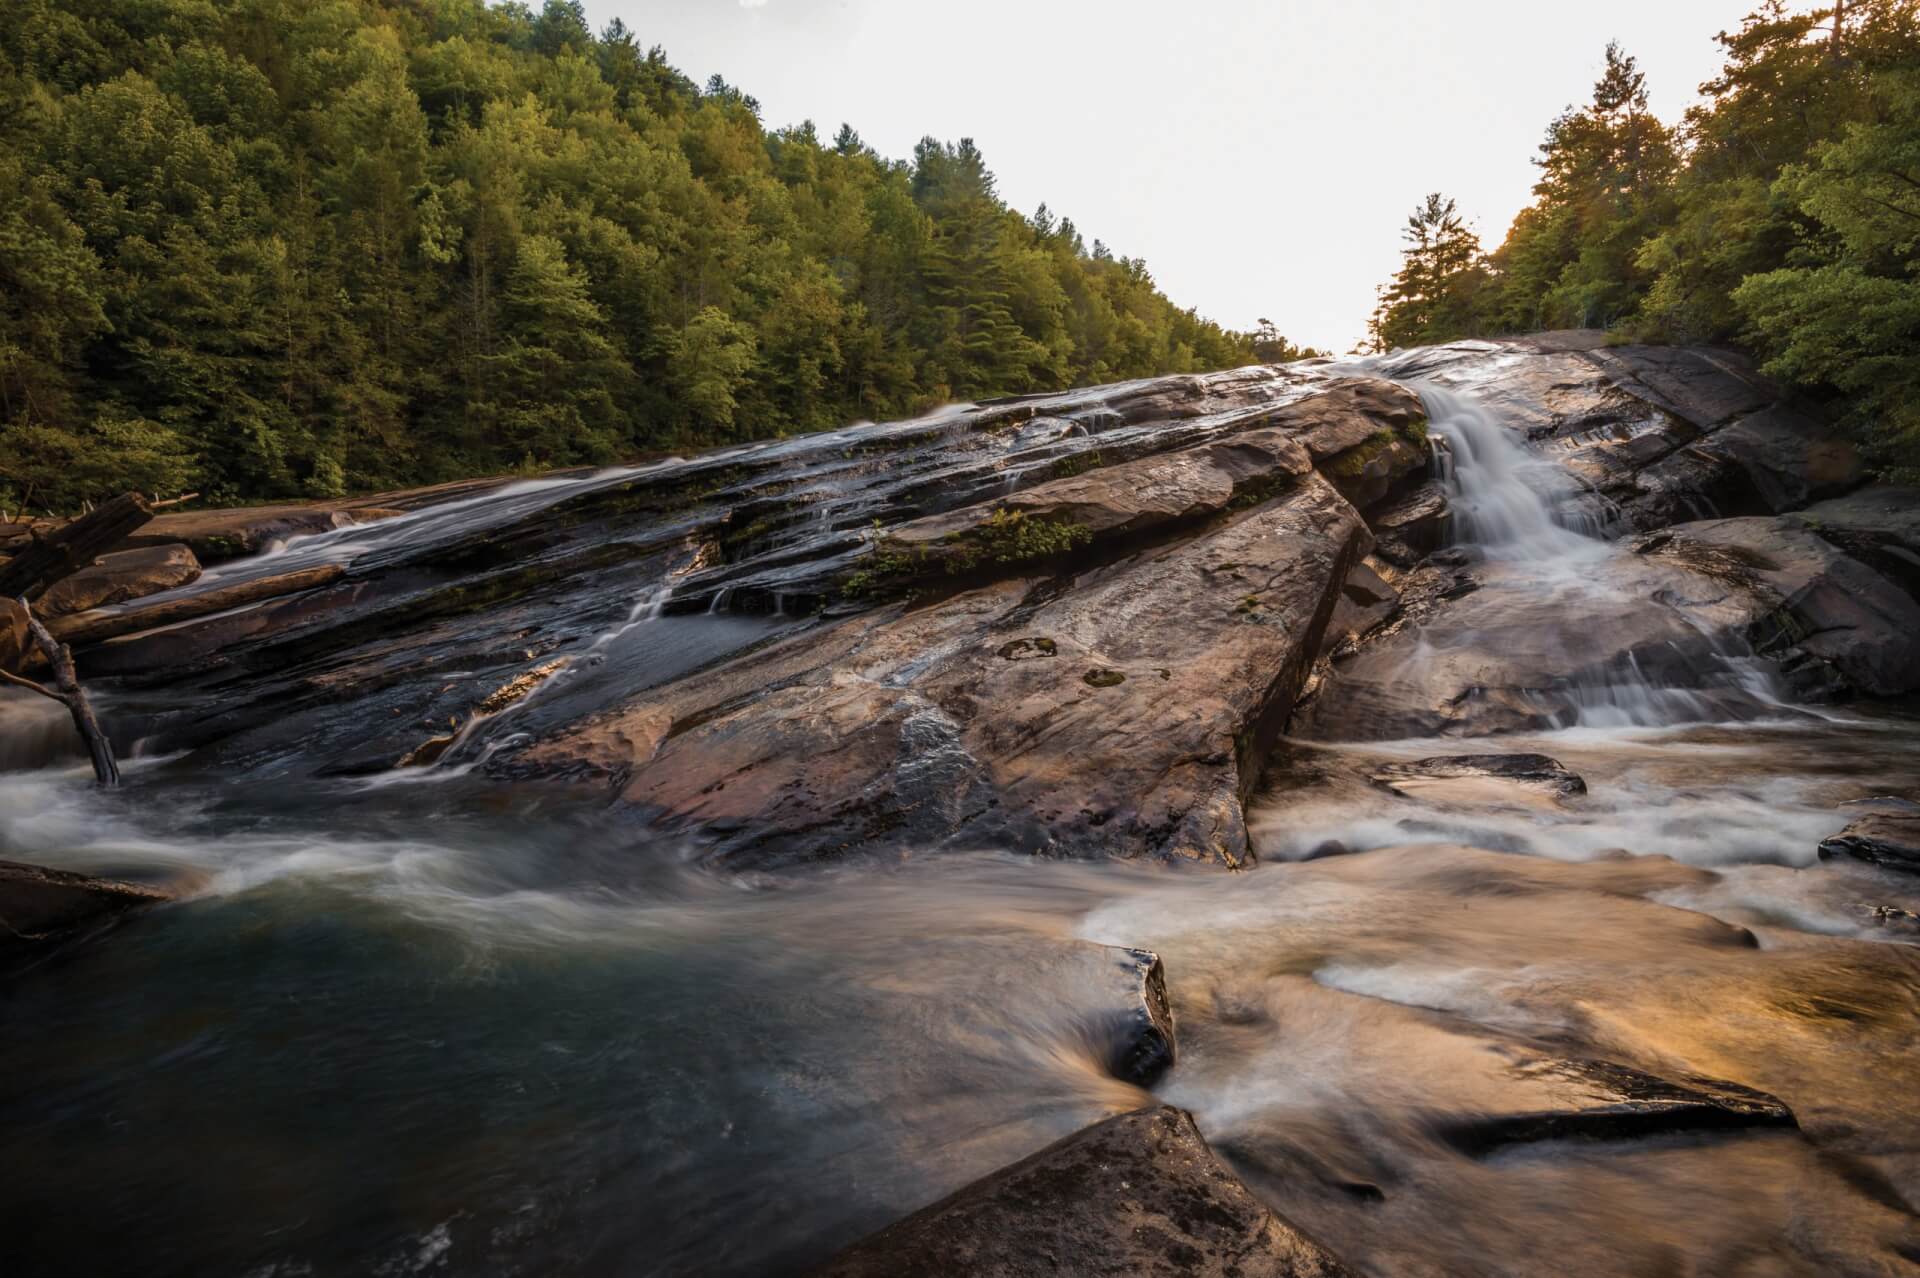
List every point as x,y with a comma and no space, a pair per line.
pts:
410,1025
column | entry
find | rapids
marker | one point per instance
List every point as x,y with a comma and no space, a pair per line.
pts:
465,1027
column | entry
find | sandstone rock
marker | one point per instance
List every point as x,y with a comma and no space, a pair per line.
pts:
217,535
1888,839
929,726
96,626
121,576
1133,497
1809,596
1139,1194
1878,525
1411,528
39,906
1144,1045
1601,1100
1367,601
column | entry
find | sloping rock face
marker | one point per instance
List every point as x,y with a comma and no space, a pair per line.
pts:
1137,1194
1115,711
1066,624
1662,434
1809,597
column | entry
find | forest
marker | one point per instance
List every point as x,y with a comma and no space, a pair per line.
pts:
1781,214
274,248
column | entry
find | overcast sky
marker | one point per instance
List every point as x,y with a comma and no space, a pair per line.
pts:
1261,155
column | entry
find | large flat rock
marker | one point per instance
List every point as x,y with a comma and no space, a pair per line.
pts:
1119,711
1139,1194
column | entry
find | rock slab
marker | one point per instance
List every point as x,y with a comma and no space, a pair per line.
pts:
39,906
1138,1194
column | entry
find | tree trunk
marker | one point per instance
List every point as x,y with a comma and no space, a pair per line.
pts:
68,692
67,550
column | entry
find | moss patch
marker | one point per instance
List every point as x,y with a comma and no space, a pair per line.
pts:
1013,536
1025,649
1100,677
1076,464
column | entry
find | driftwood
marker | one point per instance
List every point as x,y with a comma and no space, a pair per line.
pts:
45,560
68,692
91,627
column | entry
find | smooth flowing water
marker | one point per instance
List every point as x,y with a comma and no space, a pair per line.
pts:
467,1027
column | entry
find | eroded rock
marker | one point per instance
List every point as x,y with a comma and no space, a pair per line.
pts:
41,907
1137,1194
917,727
1601,1100
1807,595
1889,839
1441,776
121,576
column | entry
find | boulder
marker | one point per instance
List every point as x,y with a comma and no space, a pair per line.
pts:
40,907
1142,1033
121,576
1138,1194
1367,601
1888,839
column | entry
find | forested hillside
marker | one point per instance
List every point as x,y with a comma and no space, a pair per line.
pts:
272,247
1783,212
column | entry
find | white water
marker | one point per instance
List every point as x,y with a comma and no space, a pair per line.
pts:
1508,501
1562,616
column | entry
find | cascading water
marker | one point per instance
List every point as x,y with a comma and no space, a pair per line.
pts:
1507,501
1569,626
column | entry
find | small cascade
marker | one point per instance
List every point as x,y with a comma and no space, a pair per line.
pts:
1552,582
1507,501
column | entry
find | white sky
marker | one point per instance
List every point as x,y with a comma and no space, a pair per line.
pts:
1261,156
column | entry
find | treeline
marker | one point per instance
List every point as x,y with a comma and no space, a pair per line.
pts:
269,248
1782,212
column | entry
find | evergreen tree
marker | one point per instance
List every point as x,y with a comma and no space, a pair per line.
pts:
277,249
1434,294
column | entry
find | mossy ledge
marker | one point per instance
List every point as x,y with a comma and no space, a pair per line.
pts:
1005,537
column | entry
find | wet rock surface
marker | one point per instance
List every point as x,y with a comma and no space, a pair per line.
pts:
40,907
121,576
1888,839
1601,1100
948,722
1807,597
1529,771
1137,1194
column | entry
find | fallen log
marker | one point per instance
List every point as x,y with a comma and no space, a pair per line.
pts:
68,692
92,627
45,560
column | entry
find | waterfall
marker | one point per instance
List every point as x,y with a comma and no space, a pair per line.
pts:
1507,501
1555,590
